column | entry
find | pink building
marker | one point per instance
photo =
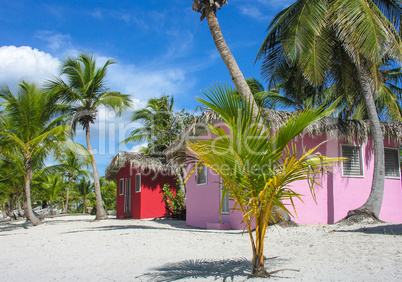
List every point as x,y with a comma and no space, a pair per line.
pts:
140,180
345,188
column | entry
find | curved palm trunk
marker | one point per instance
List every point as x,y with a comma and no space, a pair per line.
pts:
372,207
100,211
227,57
27,192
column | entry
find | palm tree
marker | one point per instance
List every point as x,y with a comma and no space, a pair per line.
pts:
312,34
255,164
161,125
75,165
85,92
208,9
52,186
156,120
84,189
34,128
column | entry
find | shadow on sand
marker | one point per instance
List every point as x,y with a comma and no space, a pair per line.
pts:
225,270
391,229
202,268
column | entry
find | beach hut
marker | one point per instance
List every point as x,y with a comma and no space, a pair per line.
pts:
140,180
345,188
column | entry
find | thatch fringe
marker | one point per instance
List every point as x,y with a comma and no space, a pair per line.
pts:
155,163
335,128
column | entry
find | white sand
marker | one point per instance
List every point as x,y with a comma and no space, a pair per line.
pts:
74,248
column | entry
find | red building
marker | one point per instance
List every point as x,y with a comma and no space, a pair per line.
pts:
140,180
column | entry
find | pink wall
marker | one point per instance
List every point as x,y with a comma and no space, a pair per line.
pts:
336,196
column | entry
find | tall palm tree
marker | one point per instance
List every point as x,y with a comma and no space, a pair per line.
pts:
312,33
256,165
75,165
208,9
34,128
85,91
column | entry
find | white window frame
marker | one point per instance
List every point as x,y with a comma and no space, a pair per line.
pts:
121,186
227,199
127,195
361,161
206,175
399,165
138,183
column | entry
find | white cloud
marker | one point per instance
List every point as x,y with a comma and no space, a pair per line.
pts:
56,41
17,63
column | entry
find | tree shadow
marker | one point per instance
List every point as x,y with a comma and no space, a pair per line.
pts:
14,225
390,229
200,268
205,269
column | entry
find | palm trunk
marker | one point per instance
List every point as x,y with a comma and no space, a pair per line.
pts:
100,211
372,207
51,208
258,249
27,192
20,211
67,196
229,60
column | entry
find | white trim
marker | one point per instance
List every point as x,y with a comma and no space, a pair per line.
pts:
138,189
220,199
361,160
121,187
399,163
206,176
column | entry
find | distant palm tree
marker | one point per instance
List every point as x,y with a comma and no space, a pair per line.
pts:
34,128
208,9
74,165
52,186
85,91
156,120
84,189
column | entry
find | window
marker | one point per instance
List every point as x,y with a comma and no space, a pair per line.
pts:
225,202
121,187
353,166
201,175
138,182
127,196
391,159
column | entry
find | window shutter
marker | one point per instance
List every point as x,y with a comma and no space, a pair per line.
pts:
138,182
391,158
353,166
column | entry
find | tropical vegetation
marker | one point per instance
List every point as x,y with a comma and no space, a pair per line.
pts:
345,43
85,91
256,166
160,125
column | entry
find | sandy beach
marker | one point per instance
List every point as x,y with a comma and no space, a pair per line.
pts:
71,248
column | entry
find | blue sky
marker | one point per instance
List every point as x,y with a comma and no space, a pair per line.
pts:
161,48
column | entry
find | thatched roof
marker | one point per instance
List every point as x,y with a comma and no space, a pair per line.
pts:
157,164
335,128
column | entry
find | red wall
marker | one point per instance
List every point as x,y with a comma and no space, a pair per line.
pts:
147,203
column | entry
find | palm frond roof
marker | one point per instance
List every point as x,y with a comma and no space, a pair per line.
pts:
335,128
154,163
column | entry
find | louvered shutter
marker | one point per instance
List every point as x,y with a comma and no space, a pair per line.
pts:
391,162
353,166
